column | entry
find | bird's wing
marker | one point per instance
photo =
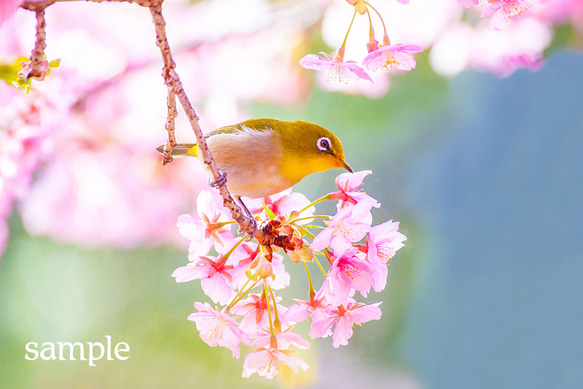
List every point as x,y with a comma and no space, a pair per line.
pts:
246,127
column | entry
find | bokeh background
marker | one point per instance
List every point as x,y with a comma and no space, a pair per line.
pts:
484,173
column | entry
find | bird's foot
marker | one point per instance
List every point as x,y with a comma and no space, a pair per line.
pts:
221,181
249,216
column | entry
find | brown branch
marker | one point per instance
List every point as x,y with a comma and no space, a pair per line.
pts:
246,223
38,5
175,90
170,127
38,53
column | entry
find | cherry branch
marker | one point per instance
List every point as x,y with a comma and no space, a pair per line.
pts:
170,127
40,44
175,91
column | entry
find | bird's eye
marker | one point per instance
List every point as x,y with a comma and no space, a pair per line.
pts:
323,144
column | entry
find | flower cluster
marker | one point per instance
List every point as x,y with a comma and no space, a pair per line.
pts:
243,276
387,56
501,11
27,126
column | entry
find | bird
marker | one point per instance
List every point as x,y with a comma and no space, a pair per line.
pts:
264,156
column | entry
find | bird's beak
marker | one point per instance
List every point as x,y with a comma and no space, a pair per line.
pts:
346,166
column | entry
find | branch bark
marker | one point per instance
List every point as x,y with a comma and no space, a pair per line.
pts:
40,44
175,91
246,223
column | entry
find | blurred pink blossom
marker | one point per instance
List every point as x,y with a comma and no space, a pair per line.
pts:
503,11
392,57
338,70
8,8
468,3
267,361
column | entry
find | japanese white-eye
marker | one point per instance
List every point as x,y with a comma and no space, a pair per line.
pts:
262,157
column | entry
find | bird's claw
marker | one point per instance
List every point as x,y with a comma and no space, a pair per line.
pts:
221,181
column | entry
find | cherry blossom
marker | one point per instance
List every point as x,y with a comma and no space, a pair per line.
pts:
246,276
382,244
268,361
338,70
392,57
343,318
218,329
503,11
209,230
215,276
349,191
349,225
254,312
347,273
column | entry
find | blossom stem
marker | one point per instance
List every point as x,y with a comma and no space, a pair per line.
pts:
276,322
370,30
228,254
312,293
386,40
323,198
319,265
239,296
265,294
340,54
313,217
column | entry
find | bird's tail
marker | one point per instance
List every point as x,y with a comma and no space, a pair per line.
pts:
181,150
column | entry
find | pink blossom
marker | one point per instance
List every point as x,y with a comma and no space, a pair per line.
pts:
8,8
245,253
468,3
218,329
348,272
284,339
268,361
316,309
344,317
382,244
349,225
253,309
349,192
510,63
338,70
282,203
214,275
208,230
503,11
392,57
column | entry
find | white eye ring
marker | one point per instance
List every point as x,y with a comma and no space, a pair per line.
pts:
323,144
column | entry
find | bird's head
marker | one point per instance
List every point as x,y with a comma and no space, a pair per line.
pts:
309,148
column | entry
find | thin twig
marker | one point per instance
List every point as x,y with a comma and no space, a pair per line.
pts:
172,81
170,127
38,53
38,5
175,90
